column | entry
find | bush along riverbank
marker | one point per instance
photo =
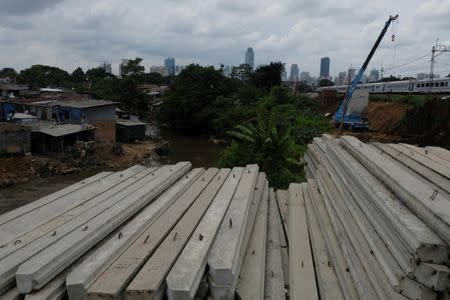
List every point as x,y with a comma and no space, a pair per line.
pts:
266,123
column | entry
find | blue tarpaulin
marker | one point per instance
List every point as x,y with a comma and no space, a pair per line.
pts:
8,111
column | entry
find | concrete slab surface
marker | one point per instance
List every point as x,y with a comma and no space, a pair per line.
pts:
114,280
302,276
185,276
151,278
274,278
252,276
429,205
224,252
80,279
6,217
41,268
327,281
282,200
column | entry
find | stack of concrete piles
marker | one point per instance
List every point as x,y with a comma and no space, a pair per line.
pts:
147,233
379,219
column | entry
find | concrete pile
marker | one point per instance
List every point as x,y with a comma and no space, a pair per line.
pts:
378,218
148,233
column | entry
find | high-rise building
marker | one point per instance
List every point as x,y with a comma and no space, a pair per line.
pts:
294,72
106,65
169,64
159,69
324,67
351,74
374,75
122,64
341,78
250,57
305,76
226,71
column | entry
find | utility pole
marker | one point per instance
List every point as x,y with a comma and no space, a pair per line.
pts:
436,49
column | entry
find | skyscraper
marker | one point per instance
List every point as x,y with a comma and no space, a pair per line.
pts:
250,57
324,67
294,72
374,75
169,64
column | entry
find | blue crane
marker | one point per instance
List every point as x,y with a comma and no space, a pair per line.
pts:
354,120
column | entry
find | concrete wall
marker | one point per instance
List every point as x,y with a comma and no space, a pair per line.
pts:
14,139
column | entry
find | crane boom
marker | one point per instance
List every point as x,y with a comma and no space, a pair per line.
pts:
340,115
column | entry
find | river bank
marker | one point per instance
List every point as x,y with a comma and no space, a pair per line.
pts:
31,183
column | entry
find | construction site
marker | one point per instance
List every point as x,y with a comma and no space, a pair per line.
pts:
371,222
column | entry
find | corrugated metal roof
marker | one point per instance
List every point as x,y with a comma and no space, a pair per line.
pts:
64,129
129,123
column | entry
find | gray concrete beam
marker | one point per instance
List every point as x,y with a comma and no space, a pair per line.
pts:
252,276
12,294
42,267
80,279
344,271
69,215
417,167
303,282
117,276
428,204
438,151
185,276
428,155
284,249
150,281
12,230
106,200
274,278
439,167
282,200
225,251
13,214
327,281
386,270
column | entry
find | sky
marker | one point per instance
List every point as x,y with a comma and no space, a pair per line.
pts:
72,33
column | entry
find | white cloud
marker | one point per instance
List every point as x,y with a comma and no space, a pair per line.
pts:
83,33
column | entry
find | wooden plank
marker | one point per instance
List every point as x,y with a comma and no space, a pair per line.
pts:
303,282
151,278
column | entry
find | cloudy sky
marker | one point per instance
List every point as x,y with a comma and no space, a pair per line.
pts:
71,33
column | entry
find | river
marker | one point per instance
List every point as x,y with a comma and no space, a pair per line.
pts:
199,150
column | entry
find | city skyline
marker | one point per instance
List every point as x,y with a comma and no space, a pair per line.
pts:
85,33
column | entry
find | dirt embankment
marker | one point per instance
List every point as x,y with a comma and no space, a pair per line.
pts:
17,169
385,117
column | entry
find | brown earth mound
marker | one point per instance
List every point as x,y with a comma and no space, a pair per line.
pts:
385,117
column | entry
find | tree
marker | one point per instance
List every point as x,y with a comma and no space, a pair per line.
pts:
97,74
8,72
44,76
133,67
189,103
267,76
325,82
242,72
78,78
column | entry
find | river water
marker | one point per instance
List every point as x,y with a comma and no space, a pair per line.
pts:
199,150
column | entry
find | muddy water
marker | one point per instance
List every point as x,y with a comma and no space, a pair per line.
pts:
197,149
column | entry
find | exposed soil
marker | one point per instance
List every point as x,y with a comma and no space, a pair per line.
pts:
18,169
385,117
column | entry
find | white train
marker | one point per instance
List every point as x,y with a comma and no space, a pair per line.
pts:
440,85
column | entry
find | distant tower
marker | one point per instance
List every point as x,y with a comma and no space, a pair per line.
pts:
169,64
250,57
294,72
324,67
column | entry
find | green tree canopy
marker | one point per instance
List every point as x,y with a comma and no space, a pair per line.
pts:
242,72
133,67
8,72
44,76
267,76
